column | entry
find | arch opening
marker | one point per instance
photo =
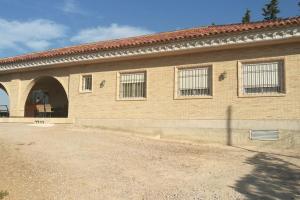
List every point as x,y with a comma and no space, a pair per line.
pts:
47,98
4,102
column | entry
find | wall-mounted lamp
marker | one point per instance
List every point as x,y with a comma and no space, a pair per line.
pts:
223,76
102,84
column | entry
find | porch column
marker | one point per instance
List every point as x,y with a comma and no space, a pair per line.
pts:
15,98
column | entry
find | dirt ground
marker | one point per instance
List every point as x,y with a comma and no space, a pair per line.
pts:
63,162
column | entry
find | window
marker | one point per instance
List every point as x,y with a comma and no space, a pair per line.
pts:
195,81
132,85
262,78
86,83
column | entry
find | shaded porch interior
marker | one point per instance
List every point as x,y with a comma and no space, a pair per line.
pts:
46,99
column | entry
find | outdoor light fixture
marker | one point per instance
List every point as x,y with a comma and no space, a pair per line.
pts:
102,84
223,76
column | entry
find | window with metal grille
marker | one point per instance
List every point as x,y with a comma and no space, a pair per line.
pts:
133,85
87,83
195,81
262,78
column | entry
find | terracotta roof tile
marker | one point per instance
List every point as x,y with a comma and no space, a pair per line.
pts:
155,38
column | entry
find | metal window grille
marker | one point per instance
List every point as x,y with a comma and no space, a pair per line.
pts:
262,78
194,82
87,83
133,85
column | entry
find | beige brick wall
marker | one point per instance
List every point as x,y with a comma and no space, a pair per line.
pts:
160,103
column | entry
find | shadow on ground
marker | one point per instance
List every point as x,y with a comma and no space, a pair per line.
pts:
272,178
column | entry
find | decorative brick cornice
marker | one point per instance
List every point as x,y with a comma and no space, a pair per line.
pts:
173,46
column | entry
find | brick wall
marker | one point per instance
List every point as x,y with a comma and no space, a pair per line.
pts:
160,104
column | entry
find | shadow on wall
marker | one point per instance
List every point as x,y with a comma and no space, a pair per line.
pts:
272,178
229,125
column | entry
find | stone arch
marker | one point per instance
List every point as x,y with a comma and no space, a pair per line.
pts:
46,96
4,91
4,88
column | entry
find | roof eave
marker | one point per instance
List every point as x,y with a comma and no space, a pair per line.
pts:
248,38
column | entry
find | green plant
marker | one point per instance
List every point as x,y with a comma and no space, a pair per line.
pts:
3,194
247,17
271,10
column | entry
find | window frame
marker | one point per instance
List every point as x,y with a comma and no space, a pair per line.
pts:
258,61
81,83
118,98
176,81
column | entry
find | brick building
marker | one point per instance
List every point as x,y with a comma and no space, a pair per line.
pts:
215,83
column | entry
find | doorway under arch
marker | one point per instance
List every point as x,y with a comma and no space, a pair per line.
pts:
4,102
46,98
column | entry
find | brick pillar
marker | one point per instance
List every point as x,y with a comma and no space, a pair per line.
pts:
16,109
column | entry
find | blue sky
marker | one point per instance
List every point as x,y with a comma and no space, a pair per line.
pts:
31,25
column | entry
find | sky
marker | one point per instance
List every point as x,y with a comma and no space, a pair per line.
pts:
31,25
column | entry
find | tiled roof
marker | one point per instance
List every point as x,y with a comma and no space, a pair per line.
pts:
199,32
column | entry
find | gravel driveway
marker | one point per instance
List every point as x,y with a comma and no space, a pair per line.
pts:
63,162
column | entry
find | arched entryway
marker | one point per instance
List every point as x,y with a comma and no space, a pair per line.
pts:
4,102
46,98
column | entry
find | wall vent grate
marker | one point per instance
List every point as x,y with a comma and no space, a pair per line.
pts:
264,135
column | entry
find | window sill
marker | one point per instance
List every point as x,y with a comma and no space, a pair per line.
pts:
85,92
132,99
262,95
192,97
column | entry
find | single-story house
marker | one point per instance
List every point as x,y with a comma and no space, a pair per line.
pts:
235,83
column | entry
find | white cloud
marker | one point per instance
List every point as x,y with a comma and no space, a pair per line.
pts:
40,34
29,35
71,6
113,31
